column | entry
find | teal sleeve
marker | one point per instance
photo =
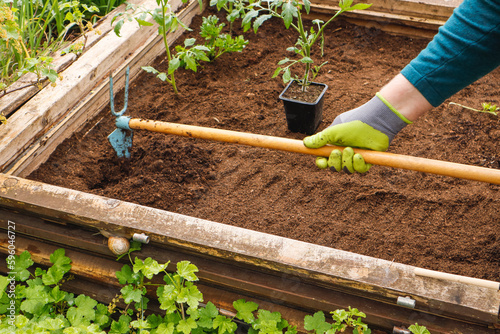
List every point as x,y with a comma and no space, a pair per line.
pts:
466,48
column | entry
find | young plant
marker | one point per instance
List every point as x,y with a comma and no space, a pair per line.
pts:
416,329
291,14
235,9
76,16
487,108
342,319
35,303
216,42
167,22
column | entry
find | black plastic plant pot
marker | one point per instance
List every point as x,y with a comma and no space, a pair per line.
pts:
303,117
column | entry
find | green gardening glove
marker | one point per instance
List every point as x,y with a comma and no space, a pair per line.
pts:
371,126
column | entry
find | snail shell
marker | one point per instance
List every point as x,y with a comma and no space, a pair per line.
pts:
118,245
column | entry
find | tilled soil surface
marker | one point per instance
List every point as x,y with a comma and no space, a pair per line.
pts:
436,222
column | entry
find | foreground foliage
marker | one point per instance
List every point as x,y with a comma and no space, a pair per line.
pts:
33,302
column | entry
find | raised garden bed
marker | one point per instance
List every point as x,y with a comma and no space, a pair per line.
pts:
393,216
419,219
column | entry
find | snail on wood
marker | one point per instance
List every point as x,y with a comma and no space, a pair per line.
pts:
118,245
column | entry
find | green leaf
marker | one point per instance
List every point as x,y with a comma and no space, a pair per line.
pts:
4,281
162,76
120,326
191,295
207,314
51,324
187,270
245,310
144,22
83,313
61,265
359,6
287,75
165,328
316,323
277,72
37,297
249,16
224,325
148,267
22,263
139,324
167,296
173,65
307,5
131,294
186,325
189,42
267,321
306,60
118,27
126,275
289,11
258,22
416,329
150,69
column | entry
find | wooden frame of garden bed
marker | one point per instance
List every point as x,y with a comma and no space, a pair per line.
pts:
44,121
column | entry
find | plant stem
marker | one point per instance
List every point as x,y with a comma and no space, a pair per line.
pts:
165,42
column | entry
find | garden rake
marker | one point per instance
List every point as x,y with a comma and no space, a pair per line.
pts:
121,140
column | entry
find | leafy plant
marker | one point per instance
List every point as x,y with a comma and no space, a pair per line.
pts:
487,107
217,42
416,329
32,301
43,306
289,11
235,9
77,17
342,319
167,22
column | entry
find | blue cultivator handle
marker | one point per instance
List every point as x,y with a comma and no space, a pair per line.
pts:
121,138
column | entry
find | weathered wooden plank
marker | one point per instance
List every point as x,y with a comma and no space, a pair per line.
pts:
49,106
370,277
97,98
10,102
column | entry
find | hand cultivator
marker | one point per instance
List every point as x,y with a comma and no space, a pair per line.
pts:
121,140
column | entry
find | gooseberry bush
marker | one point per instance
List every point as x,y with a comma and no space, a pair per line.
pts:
33,301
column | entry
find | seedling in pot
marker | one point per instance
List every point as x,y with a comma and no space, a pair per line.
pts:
290,11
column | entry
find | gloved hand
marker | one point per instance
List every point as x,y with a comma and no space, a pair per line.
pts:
371,126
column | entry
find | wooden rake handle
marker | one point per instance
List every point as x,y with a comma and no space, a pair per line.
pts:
438,167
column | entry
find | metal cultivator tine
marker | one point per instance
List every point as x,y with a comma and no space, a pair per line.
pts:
121,137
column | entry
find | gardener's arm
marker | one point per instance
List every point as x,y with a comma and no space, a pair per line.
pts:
466,48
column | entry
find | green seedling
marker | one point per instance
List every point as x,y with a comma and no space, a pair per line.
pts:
486,108
77,18
217,42
342,319
416,329
235,9
167,22
291,14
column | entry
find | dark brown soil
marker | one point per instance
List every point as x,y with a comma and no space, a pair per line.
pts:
436,222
